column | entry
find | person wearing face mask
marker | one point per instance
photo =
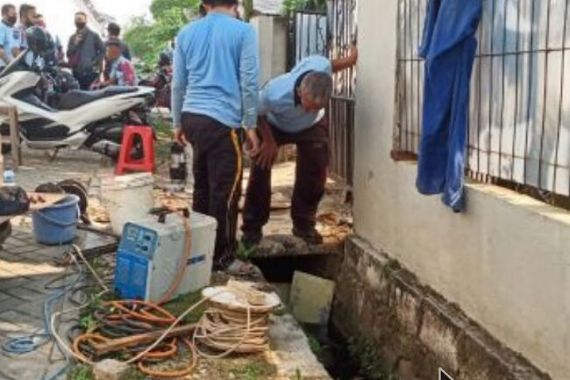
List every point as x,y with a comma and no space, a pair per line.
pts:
8,36
292,111
85,52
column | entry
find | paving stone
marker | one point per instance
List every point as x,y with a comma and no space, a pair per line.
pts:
33,309
26,248
25,294
9,257
30,366
26,322
3,376
13,283
8,328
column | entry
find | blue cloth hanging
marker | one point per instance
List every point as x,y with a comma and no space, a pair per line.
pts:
448,47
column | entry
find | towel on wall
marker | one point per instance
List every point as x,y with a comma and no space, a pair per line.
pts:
448,47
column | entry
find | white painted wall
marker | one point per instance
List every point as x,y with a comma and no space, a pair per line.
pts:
506,261
272,35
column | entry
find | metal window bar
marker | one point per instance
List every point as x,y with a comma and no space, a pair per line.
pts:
519,134
331,34
342,24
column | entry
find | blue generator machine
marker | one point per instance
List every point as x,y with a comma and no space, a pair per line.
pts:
151,253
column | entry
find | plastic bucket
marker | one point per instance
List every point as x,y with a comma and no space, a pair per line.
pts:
57,224
127,198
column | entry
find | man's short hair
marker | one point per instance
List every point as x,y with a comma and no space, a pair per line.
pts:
114,29
81,13
6,8
319,85
25,8
217,3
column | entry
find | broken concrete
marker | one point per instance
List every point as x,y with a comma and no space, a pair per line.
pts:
110,369
415,330
290,352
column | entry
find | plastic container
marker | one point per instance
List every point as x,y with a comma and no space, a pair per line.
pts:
9,177
57,224
127,198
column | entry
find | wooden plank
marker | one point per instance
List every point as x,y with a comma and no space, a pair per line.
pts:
15,138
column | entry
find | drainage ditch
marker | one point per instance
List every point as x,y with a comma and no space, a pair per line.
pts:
345,358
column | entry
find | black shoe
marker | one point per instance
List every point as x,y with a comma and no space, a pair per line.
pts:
251,239
310,235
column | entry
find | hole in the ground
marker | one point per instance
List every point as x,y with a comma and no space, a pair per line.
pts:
343,357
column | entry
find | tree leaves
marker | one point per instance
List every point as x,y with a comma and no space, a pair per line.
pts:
147,39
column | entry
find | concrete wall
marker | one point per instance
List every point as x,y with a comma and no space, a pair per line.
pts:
505,261
272,34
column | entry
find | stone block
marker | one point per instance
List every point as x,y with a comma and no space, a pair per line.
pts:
109,369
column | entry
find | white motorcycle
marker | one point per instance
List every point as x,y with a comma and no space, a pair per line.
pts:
91,120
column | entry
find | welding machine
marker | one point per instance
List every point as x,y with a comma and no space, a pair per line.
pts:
151,251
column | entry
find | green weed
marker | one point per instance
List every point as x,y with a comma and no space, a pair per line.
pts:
244,253
367,358
252,371
81,372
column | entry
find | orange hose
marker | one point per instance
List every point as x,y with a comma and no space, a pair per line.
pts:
182,265
174,373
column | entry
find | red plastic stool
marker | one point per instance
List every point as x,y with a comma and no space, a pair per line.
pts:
128,164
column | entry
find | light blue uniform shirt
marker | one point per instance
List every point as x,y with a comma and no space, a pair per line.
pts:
277,99
9,38
216,68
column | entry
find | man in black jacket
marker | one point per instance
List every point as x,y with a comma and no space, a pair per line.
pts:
85,53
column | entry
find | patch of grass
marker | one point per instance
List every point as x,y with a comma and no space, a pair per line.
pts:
162,126
367,358
253,371
81,372
180,304
244,253
134,374
298,375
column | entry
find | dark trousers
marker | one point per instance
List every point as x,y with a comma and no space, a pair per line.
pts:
217,168
310,179
85,78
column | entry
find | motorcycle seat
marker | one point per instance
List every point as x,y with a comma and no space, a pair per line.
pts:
76,98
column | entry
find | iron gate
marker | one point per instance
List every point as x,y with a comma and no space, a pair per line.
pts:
331,34
519,133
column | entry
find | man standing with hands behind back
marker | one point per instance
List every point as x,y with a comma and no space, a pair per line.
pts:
214,95
85,53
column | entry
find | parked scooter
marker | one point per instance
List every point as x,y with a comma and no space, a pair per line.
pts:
76,119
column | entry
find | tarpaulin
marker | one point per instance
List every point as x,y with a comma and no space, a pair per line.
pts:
448,47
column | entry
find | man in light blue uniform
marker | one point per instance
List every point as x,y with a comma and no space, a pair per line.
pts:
214,94
292,111
8,36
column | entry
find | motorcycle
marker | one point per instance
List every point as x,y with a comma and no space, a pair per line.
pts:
75,119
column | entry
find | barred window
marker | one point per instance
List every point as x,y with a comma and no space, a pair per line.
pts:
519,132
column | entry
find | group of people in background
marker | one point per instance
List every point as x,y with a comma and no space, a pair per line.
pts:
217,106
94,63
